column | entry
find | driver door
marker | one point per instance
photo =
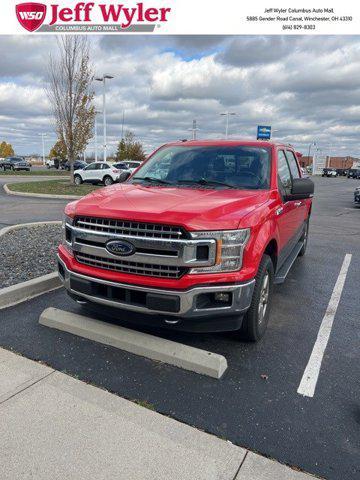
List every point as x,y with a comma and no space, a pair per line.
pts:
89,172
287,215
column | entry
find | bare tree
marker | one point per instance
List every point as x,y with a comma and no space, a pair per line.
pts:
71,96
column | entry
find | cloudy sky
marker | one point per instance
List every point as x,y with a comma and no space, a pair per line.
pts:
307,88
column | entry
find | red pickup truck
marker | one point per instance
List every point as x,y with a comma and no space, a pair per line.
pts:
195,238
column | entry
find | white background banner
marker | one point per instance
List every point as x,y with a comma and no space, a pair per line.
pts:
180,17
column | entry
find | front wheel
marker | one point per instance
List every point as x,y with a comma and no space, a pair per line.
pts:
108,181
78,180
256,319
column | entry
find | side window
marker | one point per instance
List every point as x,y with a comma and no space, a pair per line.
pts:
293,164
105,166
92,166
284,173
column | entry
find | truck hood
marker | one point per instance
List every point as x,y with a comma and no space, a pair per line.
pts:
193,208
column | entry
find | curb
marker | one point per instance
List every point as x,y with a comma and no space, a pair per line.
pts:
139,343
5,230
20,292
38,195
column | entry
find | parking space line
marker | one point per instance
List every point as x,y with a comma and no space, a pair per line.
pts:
311,374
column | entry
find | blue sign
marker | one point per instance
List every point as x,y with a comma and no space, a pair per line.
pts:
263,132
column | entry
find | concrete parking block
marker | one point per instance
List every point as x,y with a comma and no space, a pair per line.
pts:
256,467
25,290
63,428
18,373
155,348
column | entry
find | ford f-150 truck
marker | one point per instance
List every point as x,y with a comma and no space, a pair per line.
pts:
195,238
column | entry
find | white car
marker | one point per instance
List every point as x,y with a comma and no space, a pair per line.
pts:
127,167
50,163
97,172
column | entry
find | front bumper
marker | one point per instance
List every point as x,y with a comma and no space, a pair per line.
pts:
191,303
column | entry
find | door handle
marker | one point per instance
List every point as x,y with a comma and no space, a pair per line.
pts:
279,211
298,204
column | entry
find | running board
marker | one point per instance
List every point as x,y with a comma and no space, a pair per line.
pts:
285,268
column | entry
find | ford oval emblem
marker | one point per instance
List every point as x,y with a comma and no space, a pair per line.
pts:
120,247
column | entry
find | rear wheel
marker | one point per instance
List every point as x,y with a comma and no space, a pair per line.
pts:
108,181
256,319
78,180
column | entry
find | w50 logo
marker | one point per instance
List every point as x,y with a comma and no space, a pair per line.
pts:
31,15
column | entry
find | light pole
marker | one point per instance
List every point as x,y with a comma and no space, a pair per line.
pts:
43,135
103,80
96,138
313,144
122,125
227,114
194,129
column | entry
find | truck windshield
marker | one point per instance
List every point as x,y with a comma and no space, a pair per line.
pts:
243,167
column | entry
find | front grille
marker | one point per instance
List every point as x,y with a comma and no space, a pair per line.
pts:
130,228
136,268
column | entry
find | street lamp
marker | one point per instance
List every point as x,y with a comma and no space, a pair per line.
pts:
96,138
313,144
103,80
43,135
227,114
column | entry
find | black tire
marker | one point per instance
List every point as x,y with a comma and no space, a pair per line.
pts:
78,180
304,239
256,318
107,181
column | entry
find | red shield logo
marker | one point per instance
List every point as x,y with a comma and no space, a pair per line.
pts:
31,15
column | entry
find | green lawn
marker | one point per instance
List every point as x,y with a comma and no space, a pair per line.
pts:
51,173
53,187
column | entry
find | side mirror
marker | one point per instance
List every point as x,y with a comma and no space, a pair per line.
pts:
301,188
124,176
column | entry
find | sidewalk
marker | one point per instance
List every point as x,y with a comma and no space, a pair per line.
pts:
54,426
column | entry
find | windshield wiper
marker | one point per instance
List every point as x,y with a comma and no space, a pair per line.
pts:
204,181
153,180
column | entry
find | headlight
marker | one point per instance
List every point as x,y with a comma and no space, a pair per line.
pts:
229,251
67,232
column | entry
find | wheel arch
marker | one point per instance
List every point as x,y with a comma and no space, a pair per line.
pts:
272,250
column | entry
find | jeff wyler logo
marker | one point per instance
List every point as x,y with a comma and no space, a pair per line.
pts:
32,15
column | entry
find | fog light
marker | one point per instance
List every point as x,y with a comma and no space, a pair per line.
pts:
222,297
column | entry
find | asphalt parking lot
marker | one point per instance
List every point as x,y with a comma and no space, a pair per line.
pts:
16,209
256,404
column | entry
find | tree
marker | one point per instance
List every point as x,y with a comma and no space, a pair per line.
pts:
6,150
70,94
130,149
58,150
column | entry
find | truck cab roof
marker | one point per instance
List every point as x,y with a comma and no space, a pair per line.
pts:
224,143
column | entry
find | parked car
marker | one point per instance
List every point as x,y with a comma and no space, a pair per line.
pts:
15,164
126,168
53,163
342,172
97,172
78,165
353,173
357,195
329,172
198,249
50,163
304,172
